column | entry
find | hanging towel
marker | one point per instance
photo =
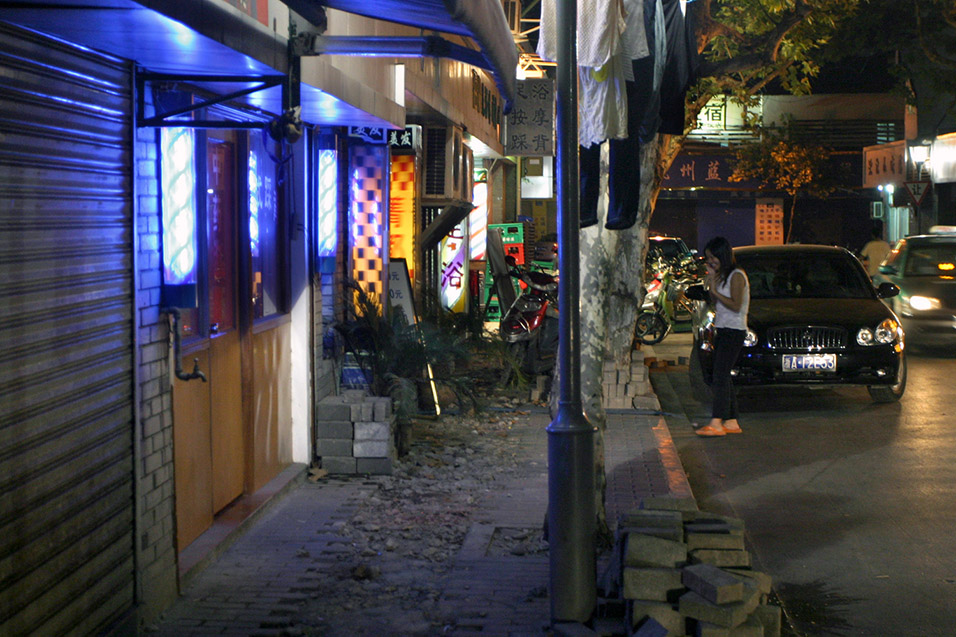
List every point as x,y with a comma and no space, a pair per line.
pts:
600,25
602,102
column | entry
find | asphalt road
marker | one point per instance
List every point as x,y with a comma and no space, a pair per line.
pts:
849,505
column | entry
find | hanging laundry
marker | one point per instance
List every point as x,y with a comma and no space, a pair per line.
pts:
602,102
682,68
634,39
599,28
643,108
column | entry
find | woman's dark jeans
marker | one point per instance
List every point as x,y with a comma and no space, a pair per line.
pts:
727,346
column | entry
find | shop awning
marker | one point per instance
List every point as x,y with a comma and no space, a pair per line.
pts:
481,20
204,38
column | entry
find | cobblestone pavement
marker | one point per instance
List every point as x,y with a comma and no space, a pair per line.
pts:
450,544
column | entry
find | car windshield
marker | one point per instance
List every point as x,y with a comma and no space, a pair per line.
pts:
931,260
670,248
806,275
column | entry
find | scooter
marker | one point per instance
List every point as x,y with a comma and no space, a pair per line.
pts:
530,325
664,305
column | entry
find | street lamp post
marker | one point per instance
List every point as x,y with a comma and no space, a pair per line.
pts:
571,506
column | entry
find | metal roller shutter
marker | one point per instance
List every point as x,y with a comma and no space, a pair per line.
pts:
66,338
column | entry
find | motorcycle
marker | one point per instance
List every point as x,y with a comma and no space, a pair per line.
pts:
530,324
665,304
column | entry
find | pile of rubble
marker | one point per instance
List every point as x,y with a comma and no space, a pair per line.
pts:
680,571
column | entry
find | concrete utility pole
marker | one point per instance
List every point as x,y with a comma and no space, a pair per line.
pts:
571,507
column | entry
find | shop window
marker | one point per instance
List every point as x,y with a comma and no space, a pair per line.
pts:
264,230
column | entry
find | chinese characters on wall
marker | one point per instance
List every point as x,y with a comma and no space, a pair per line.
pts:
531,121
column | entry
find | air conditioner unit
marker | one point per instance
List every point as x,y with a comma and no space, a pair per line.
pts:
513,14
467,174
443,174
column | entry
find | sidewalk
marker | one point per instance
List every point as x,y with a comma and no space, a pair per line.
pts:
261,584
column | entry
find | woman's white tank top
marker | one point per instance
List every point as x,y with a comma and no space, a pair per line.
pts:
727,318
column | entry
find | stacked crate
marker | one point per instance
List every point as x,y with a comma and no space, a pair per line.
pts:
355,433
518,240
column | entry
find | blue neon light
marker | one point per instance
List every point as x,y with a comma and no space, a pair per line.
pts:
253,204
327,235
179,206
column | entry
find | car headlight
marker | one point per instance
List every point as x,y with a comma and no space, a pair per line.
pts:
886,332
864,336
751,339
924,303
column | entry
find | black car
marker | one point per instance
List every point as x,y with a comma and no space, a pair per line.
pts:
815,318
924,268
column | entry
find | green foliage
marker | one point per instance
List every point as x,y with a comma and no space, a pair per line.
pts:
396,355
781,163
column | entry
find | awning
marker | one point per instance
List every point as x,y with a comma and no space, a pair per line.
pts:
481,20
210,38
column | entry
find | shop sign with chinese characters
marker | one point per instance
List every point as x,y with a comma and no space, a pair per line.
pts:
531,121
454,269
704,171
884,164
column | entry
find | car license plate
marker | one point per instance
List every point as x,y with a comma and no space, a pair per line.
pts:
809,362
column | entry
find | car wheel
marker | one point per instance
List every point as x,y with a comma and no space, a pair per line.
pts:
650,328
695,372
891,393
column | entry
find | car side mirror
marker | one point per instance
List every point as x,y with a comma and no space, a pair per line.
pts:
697,293
887,290
887,269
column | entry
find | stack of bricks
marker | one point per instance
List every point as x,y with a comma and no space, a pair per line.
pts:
355,433
622,386
685,572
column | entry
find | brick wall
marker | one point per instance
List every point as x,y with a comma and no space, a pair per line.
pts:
156,523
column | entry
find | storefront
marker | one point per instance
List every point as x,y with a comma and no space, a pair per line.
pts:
164,246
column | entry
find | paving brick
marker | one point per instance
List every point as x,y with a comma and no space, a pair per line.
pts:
684,504
720,557
647,550
371,448
373,430
770,617
714,541
713,584
763,581
374,466
661,612
750,628
333,447
651,628
654,584
341,429
727,615
338,464
652,518
333,408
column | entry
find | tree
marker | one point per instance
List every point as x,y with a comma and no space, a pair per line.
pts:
783,164
746,45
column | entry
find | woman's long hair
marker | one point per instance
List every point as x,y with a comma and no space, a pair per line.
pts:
720,248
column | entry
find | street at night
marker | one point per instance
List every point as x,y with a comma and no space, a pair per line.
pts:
849,504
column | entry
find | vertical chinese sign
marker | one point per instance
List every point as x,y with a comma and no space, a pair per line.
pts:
454,269
531,121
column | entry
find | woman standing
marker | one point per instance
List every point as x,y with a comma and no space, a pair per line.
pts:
729,290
